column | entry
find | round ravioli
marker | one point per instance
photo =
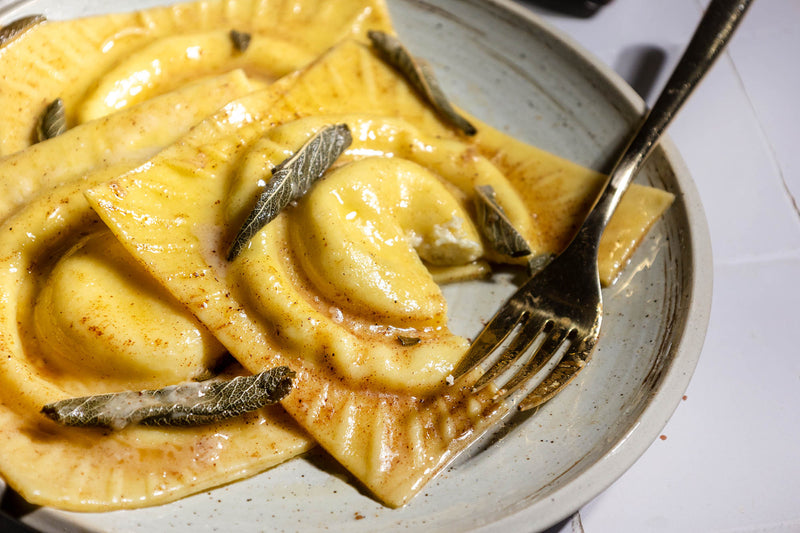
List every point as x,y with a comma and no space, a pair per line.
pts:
82,317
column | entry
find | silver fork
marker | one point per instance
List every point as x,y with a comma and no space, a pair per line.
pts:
558,311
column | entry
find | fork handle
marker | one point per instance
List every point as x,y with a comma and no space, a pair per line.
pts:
712,34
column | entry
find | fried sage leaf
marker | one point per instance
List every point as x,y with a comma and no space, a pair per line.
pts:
177,405
495,225
53,121
292,178
537,263
408,341
420,74
14,29
240,39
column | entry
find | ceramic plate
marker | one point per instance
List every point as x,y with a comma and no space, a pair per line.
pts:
505,66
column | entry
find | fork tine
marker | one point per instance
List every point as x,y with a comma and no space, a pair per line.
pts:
576,357
525,337
555,338
495,332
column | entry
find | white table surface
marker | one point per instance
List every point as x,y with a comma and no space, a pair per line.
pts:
729,458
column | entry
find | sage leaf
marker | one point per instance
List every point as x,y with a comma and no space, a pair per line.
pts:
408,341
537,262
176,405
291,179
15,28
421,76
495,225
240,39
53,121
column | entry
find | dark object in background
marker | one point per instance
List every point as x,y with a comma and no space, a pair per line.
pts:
11,525
575,8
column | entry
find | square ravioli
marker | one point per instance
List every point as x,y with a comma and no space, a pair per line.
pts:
104,63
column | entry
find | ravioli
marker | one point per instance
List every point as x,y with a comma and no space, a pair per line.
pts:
81,316
379,406
101,64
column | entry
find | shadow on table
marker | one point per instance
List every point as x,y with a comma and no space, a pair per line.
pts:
641,66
